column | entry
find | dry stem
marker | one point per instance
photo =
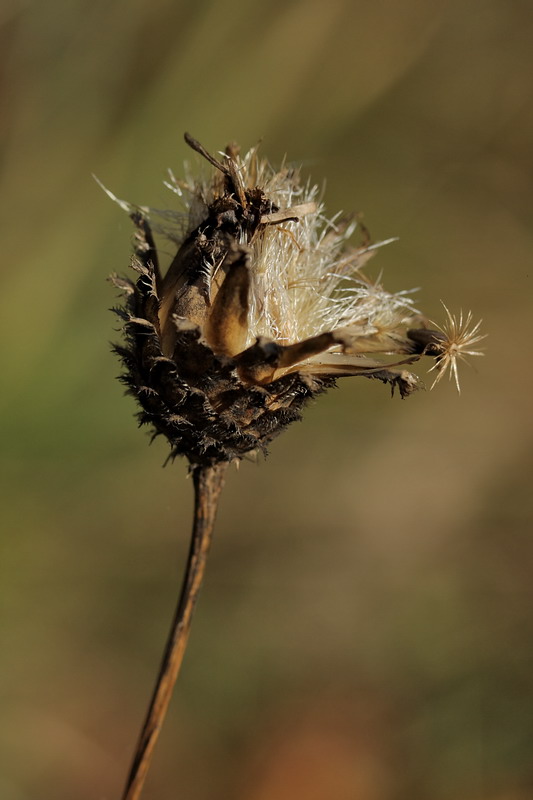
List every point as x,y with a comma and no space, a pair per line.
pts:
208,483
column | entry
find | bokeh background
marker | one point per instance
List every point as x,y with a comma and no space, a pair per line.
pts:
365,632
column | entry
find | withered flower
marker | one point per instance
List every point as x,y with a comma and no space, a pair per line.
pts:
263,307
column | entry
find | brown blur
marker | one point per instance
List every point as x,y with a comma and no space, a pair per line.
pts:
366,625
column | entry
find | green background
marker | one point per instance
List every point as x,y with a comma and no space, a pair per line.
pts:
365,629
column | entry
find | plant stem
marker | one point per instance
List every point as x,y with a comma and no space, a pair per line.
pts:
208,483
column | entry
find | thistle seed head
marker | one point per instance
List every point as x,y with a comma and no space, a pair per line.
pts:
263,307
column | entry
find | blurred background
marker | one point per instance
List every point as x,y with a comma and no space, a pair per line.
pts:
365,631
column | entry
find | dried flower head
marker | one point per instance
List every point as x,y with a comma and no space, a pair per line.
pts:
263,307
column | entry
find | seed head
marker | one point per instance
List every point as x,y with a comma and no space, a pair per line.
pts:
263,307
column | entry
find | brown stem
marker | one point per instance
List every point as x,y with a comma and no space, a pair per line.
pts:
208,483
